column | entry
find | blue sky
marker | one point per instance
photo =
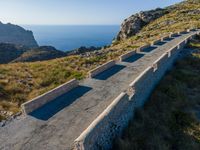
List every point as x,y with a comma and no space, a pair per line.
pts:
74,12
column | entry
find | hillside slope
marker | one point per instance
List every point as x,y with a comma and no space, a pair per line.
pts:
19,82
9,52
17,53
40,54
171,117
136,22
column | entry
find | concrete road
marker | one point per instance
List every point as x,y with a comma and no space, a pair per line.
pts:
60,122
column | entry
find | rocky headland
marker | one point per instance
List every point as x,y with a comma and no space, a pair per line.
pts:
14,34
136,22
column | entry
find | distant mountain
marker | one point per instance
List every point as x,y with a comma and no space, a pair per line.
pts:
39,54
17,35
9,52
14,53
82,50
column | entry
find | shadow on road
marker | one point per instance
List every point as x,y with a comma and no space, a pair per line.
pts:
50,109
176,35
168,39
160,43
149,49
110,72
134,58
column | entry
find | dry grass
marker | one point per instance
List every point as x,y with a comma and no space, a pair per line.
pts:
20,82
170,119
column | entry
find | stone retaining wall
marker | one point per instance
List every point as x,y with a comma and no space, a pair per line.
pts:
39,101
101,68
127,55
106,126
100,134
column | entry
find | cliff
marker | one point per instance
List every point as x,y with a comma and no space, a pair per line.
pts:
14,34
134,23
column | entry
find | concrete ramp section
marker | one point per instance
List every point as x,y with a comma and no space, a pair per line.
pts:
101,68
92,112
39,101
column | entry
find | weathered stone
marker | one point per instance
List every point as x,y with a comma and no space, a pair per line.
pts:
135,23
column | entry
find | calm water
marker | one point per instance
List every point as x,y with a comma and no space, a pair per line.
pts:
71,37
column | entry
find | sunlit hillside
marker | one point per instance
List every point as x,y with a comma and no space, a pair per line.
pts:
20,82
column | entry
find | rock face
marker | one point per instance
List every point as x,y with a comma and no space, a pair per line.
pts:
14,34
134,23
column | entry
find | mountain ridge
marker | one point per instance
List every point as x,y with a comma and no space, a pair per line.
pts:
15,34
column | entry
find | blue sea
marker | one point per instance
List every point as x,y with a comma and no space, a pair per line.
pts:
65,37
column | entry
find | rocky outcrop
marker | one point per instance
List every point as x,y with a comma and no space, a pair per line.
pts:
136,22
17,35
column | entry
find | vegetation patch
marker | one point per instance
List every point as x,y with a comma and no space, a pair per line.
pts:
171,117
20,82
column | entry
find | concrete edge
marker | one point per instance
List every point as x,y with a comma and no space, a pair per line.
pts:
138,77
86,132
74,82
144,47
156,42
101,68
127,55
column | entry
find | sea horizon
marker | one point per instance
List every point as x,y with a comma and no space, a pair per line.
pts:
70,37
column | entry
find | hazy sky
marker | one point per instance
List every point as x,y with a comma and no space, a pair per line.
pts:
74,11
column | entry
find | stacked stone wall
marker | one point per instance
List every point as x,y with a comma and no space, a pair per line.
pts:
109,124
